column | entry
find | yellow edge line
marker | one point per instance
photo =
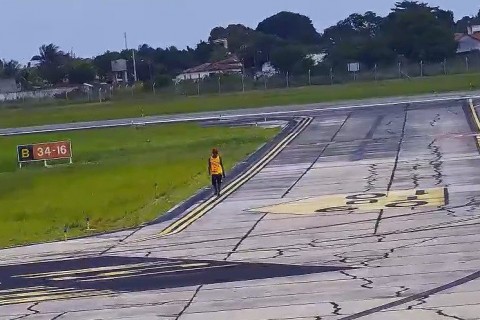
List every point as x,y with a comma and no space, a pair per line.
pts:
181,224
475,116
187,220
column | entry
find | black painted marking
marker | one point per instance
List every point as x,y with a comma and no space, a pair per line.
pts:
446,196
395,165
245,236
129,274
418,296
377,223
318,157
360,152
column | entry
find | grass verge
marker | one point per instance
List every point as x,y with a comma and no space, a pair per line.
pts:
150,105
120,178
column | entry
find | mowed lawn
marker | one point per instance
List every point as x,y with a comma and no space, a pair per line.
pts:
157,105
120,178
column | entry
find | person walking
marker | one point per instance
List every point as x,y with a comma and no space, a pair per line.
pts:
216,171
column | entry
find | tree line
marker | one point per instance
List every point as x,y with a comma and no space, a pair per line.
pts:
412,30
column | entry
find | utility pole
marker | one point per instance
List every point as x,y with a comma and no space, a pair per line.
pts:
133,57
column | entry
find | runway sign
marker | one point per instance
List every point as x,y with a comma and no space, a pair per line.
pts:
44,151
362,202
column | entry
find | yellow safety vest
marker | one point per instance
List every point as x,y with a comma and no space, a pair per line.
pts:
215,165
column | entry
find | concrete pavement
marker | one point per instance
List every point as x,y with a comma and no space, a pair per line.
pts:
363,213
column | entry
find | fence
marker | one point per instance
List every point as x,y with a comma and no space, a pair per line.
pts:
320,75
325,75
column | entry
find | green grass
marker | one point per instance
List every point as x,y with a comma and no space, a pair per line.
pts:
112,179
34,115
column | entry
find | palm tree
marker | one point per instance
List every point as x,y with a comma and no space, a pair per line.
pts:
49,54
9,69
52,63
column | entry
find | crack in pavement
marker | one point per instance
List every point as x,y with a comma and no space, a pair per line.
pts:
437,162
442,313
336,308
435,120
403,289
366,285
32,311
279,253
189,302
439,312
474,205
415,177
420,302
59,315
372,178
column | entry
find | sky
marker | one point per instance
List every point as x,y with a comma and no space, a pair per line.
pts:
90,27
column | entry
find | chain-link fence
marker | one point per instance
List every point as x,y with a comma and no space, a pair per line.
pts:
325,75
218,84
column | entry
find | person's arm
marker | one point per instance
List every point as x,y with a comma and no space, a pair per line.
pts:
223,169
208,165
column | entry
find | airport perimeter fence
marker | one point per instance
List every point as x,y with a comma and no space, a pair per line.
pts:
329,76
219,84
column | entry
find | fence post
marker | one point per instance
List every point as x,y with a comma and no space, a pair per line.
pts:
265,81
331,75
445,66
375,71
288,85
198,86
421,68
309,77
243,82
466,64
400,69
219,85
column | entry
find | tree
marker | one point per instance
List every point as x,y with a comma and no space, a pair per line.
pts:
237,36
287,57
357,38
420,32
81,71
103,63
53,62
290,26
203,52
9,69
462,24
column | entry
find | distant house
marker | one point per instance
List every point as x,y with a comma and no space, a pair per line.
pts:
231,65
470,41
8,86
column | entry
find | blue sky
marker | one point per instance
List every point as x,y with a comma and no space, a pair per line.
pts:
90,27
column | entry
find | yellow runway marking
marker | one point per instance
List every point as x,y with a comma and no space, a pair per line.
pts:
200,267
182,223
474,114
87,270
361,202
36,297
2,292
130,271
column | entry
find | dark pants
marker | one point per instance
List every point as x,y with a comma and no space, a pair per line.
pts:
217,182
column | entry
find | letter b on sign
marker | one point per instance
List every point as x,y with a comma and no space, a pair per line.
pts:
25,153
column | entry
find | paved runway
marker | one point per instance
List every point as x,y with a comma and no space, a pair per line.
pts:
361,214
290,110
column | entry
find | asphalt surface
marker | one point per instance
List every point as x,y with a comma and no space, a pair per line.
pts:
362,213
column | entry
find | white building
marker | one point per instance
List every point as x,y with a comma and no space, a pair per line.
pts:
470,41
231,65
